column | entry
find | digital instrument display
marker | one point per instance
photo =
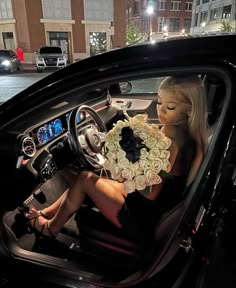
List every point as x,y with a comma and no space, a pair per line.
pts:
49,131
79,117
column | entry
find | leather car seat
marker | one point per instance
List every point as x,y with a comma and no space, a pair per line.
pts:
100,237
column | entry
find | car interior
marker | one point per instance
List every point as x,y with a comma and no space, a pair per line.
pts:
44,158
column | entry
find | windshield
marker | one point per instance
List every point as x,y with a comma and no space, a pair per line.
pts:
4,53
50,50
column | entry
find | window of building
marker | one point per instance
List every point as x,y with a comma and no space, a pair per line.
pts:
205,1
174,25
144,27
188,6
5,9
175,5
187,24
101,10
56,9
8,40
226,12
204,15
198,2
161,23
98,42
195,19
136,10
162,5
214,14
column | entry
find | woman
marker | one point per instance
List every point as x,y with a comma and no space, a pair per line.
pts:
181,108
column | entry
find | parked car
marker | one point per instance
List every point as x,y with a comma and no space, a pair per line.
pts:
41,156
50,57
9,61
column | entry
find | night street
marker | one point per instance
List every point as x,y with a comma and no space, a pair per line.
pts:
12,84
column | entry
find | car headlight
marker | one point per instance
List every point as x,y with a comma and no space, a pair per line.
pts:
61,59
40,58
6,63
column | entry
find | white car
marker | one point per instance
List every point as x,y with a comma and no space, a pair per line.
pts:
49,57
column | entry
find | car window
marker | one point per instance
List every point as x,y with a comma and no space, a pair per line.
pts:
149,85
51,50
4,53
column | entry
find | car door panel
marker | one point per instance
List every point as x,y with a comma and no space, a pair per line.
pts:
137,105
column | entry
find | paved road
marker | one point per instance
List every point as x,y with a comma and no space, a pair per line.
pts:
12,84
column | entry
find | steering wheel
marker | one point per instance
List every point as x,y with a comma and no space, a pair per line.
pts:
86,143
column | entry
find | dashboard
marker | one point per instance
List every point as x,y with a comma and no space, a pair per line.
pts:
50,130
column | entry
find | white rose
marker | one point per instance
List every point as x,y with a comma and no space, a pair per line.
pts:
140,118
128,173
154,154
164,154
129,186
156,180
143,135
115,172
136,168
150,174
143,163
150,142
119,125
166,165
111,156
157,165
107,165
143,153
140,182
123,163
164,143
112,146
121,154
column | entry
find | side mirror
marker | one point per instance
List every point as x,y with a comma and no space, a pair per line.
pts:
125,87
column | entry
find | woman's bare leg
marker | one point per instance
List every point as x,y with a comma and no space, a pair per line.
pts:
51,210
107,195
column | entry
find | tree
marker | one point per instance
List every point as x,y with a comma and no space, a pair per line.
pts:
226,26
132,34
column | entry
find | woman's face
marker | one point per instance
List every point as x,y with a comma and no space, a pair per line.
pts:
170,110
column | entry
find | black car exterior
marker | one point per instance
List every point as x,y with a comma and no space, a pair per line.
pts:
9,61
99,256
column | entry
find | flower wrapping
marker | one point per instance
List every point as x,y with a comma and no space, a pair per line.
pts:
136,153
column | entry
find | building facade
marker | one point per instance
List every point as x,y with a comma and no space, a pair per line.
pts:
209,14
81,27
168,18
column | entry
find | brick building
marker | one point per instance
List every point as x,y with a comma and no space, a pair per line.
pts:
209,14
168,18
81,27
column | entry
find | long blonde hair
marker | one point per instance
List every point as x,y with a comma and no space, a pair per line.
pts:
191,90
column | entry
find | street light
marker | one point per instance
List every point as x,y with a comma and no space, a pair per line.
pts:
150,11
203,27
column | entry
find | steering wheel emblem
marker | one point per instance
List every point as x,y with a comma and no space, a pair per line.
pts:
96,140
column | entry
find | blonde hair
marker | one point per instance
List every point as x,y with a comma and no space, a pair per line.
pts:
191,90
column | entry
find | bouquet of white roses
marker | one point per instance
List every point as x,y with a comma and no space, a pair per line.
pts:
136,152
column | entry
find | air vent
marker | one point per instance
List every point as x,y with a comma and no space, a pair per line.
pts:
28,147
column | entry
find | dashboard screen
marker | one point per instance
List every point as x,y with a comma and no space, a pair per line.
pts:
49,131
79,117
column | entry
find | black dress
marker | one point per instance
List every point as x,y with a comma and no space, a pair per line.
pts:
139,215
